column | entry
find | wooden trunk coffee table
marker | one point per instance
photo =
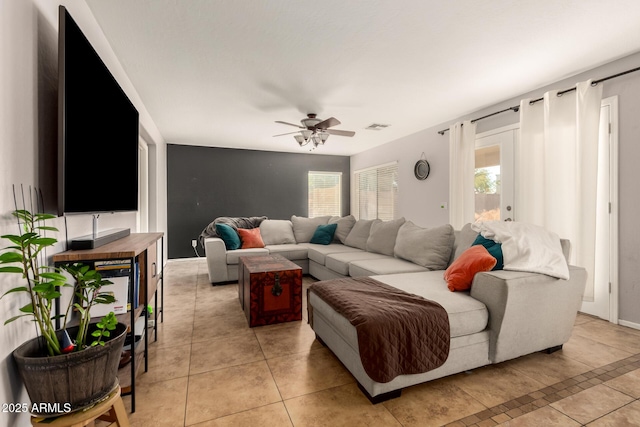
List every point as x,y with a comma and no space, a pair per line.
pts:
269,289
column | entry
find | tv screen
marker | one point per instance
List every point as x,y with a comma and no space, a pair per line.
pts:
98,130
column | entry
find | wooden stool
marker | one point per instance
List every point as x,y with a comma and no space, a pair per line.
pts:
111,410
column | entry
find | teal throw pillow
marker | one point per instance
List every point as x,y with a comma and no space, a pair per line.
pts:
324,234
494,248
229,236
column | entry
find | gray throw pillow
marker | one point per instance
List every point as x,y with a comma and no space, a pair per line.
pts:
382,237
277,232
303,228
345,224
359,234
463,241
429,247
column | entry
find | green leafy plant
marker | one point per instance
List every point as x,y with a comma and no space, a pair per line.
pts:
26,256
105,326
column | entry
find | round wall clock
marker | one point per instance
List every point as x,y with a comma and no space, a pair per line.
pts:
421,169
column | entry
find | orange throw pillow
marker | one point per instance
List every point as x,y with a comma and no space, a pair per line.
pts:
459,275
250,238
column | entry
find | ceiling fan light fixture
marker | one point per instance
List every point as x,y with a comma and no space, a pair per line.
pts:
300,140
315,131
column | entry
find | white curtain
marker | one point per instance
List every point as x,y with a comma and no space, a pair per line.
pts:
556,169
462,138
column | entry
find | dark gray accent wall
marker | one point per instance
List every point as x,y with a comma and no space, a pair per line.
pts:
204,183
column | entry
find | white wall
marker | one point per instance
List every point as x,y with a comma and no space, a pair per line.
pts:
28,124
419,200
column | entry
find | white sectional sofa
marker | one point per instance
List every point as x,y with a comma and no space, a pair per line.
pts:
362,248
506,314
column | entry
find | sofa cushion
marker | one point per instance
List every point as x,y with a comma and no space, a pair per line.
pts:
345,224
459,275
318,253
429,247
303,228
324,234
339,262
382,236
289,251
467,315
229,236
232,256
359,234
383,266
277,232
250,238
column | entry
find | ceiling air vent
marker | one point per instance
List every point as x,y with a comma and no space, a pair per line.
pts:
376,126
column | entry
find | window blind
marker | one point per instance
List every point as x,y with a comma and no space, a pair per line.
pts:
325,193
376,192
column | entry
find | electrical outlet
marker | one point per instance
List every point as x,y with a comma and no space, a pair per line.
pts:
443,205
194,243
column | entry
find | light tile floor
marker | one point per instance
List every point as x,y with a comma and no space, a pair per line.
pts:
208,368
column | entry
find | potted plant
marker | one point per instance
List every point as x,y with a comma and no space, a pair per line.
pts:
71,368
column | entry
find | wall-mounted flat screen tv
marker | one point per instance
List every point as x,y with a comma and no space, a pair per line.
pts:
98,130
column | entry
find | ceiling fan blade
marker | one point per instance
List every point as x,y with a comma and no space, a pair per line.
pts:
290,124
341,132
331,121
288,133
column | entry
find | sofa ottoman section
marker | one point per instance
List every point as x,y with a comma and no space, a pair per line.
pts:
466,351
467,315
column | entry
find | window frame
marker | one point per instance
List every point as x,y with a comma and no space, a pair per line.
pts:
327,210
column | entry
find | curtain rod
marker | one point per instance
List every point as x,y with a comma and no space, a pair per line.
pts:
516,108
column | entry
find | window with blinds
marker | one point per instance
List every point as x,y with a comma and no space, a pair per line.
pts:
376,192
324,193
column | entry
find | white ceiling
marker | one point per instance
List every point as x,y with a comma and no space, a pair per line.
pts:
221,72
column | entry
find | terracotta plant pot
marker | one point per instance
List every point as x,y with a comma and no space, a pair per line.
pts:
69,382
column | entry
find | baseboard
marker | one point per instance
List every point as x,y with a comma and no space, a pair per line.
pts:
185,259
629,324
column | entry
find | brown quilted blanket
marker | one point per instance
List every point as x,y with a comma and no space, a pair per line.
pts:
398,333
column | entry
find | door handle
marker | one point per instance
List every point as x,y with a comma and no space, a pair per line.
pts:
508,219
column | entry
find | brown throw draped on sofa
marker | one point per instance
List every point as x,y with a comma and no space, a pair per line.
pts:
398,333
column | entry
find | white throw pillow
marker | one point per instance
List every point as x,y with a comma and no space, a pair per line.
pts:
277,232
429,247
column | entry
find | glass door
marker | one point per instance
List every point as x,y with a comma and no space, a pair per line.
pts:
494,175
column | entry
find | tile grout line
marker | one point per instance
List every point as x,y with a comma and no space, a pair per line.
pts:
559,390
193,320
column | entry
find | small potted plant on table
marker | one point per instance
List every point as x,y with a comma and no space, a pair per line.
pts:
68,369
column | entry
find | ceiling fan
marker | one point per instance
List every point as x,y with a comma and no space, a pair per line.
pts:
315,130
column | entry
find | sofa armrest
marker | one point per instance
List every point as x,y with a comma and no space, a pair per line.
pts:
216,254
528,312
